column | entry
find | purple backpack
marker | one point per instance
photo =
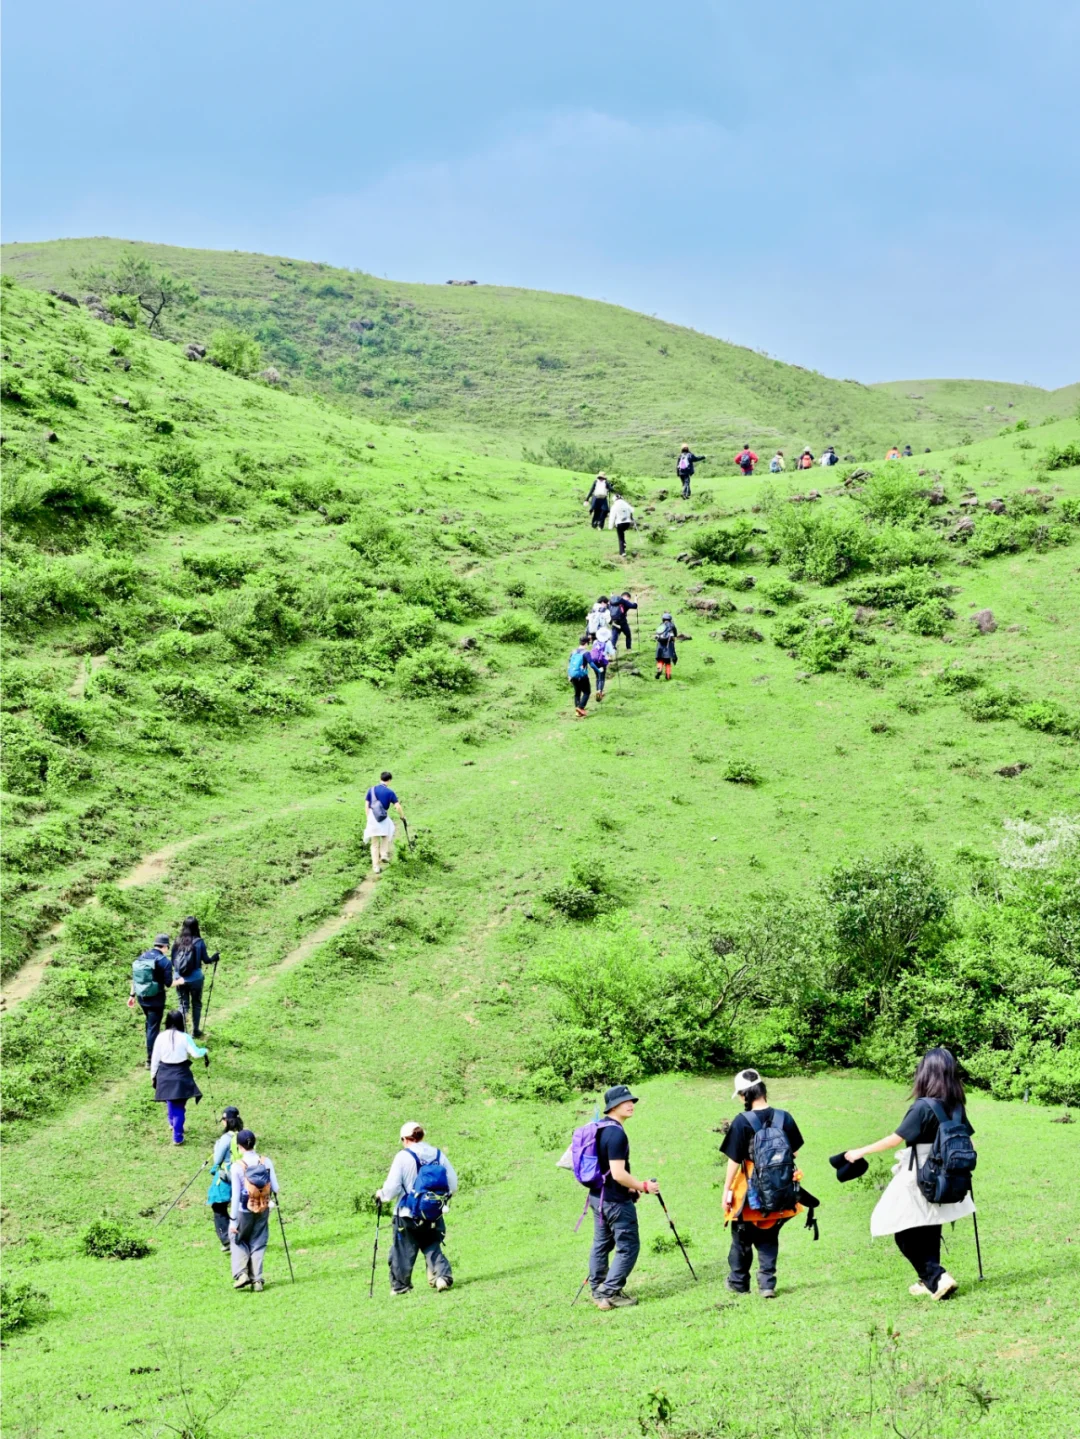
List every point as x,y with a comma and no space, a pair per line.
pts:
684,463
584,1160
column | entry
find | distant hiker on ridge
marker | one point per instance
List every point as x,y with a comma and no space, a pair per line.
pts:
423,1180
597,500
379,829
666,636
151,976
894,453
620,607
622,519
806,459
684,468
829,457
746,459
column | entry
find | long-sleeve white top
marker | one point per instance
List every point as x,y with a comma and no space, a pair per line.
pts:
173,1046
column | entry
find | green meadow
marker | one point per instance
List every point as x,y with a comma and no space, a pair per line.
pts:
230,603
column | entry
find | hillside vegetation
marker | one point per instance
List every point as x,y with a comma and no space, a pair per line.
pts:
575,382
228,606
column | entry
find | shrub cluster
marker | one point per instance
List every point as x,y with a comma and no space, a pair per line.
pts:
106,1239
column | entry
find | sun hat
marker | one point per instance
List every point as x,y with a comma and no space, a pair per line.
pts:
617,1094
848,1169
408,1130
746,1079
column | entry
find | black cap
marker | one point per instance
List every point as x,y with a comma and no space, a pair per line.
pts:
617,1094
848,1169
246,1139
230,1112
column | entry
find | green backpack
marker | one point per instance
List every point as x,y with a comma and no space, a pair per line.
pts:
143,980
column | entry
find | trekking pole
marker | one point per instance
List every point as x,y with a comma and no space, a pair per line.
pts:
578,1295
408,836
375,1253
183,1191
674,1231
978,1247
284,1241
206,1015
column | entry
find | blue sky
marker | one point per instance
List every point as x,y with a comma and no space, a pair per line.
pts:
874,191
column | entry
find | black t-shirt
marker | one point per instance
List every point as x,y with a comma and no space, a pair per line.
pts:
920,1124
612,1142
737,1140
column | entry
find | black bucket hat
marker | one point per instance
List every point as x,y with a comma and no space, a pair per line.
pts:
617,1094
848,1169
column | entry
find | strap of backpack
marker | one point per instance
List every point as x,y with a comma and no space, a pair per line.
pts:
756,1121
778,1118
939,1111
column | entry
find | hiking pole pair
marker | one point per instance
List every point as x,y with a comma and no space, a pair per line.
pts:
375,1254
183,1191
214,961
288,1256
674,1231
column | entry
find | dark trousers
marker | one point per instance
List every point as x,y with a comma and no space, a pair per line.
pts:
153,1013
221,1221
686,487
190,997
599,514
745,1238
601,680
621,530
615,1227
582,691
922,1249
413,1237
622,627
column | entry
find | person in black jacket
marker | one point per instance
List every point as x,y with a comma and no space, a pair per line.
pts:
666,656
151,976
189,957
684,468
597,500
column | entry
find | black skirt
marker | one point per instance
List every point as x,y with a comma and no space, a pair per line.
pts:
175,1082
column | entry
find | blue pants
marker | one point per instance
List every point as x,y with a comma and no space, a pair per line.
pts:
615,1226
175,1108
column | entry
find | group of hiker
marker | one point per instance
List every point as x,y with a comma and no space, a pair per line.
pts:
931,1184
606,507
597,649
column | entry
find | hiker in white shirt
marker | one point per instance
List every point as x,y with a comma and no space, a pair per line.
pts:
413,1232
254,1183
170,1071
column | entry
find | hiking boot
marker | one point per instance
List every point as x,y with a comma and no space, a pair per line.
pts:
767,1293
734,1288
226,1249
398,1292
621,1301
918,1289
442,1283
945,1286
602,1301
257,1285
242,1281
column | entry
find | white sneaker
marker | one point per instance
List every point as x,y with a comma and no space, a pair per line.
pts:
441,1283
946,1285
918,1289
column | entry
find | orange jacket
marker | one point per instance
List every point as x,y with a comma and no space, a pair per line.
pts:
741,1210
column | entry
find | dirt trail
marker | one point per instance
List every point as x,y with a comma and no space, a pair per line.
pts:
149,869
86,669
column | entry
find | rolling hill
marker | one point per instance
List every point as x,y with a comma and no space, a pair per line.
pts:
570,381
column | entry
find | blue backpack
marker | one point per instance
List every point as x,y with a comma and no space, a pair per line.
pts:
578,665
430,1189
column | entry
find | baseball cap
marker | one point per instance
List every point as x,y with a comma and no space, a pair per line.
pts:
746,1079
161,939
409,1129
618,1094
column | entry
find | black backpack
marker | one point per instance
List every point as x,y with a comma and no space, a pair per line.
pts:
945,1178
773,1181
187,961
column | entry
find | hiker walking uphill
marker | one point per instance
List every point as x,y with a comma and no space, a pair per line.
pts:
421,1182
600,656
170,1071
776,464
597,501
684,468
805,460
761,1189
226,1152
612,1199
622,519
746,460
151,976
379,829
598,617
829,457
254,1186
189,958
620,607
931,1183
577,672
666,636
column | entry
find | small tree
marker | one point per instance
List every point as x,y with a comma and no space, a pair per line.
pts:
881,909
137,289
234,350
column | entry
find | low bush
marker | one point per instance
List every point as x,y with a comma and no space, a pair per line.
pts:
723,546
1048,717
346,735
21,1305
107,1239
736,632
817,636
955,681
780,593
215,569
435,670
902,590
741,771
931,618
1061,457
989,704
515,628
819,545
560,607
893,495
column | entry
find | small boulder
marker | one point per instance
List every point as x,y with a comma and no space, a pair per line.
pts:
270,375
962,528
195,352
119,400
996,506
63,295
468,642
1010,771
984,621
51,437
704,604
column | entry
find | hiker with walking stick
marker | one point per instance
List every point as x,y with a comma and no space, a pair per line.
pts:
225,1155
421,1182
931,1183
613,1195
254,1185
619,607
170,1071
379,830
761,1188
151,976
189,958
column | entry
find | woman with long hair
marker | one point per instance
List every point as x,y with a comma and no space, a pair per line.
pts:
226,1154
903,1210
189,956
170,1071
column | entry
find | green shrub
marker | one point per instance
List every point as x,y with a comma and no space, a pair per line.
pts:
1062,457
215,568
235,350
956,681
741,771
346,735
1049,717
106,1239
893,495
450,597
560,607
21,1305
818,637
931,618
377,541
199,702
515,628
900,591
435,670
737,633
780,593
881,909
723,546
820,545
895,548
990,705
42,848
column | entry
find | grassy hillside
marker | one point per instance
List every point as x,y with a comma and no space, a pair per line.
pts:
573,381
227,607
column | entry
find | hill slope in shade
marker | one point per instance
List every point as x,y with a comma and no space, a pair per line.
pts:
573,380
